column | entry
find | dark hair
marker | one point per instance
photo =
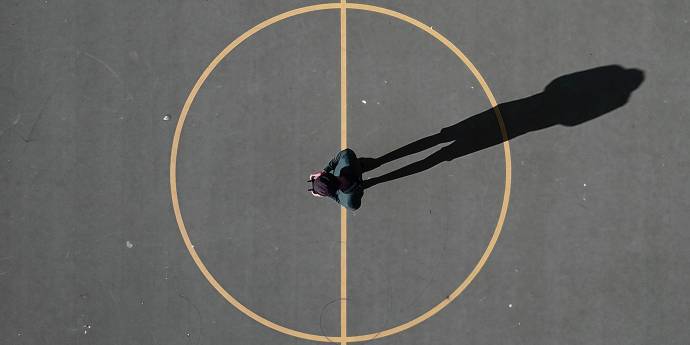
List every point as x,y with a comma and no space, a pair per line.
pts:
326,184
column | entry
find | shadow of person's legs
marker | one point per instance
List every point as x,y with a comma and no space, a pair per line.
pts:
409,149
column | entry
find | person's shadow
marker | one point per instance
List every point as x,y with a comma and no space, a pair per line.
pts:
568,100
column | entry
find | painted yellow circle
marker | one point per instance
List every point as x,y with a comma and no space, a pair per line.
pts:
232,300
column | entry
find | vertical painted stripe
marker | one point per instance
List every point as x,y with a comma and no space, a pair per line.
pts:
343,145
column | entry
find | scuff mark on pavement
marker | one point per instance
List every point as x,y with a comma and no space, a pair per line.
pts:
28,139
199,318
111,70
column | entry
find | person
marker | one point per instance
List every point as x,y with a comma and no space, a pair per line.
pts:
340,180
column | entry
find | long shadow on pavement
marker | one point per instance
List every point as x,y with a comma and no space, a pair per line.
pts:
568,100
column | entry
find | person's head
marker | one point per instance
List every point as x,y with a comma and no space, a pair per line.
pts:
326,184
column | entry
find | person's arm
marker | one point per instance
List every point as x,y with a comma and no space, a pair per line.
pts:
351,201
334,162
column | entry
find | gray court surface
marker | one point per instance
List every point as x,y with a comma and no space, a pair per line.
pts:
594,249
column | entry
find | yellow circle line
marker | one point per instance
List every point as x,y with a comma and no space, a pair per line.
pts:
183,230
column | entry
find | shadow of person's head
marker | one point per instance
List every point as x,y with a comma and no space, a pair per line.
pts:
582,96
